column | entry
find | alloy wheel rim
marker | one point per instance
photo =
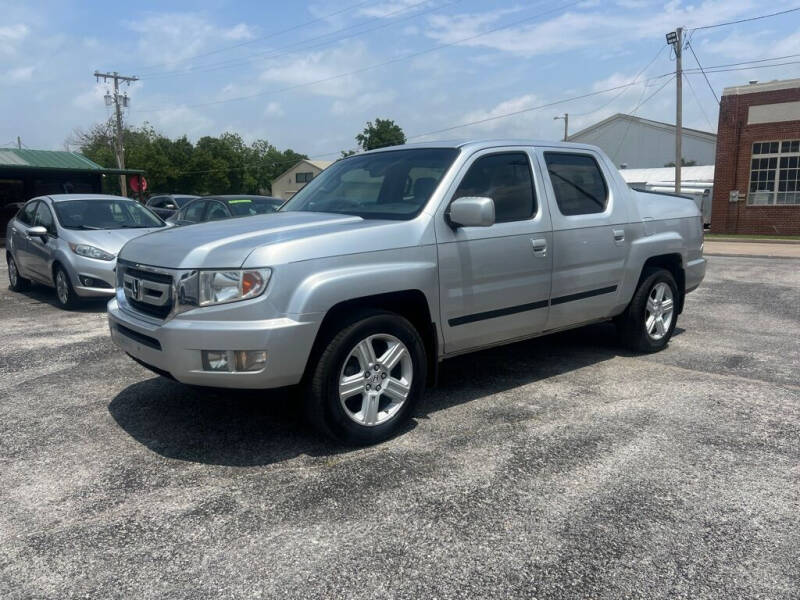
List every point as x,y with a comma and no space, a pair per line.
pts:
659,311
12,272
61,287
375,380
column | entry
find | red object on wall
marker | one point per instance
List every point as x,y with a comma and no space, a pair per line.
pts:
138,183
735,139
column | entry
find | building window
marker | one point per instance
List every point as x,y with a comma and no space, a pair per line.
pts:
303,177
775,173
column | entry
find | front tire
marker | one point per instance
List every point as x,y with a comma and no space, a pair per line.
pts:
16,282
367,380
65,294
649,321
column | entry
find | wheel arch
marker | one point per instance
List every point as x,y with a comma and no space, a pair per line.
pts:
411,304
672,262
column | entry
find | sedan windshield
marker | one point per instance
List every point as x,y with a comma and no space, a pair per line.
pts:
395,184
104,214
252,205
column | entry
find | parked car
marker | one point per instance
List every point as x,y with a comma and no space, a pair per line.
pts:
70,242
392,260
217,208
166,205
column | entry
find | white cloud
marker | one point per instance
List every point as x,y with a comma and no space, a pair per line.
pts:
180,120
362,102
19,74
391,8
169,38
580,29
273,109
11,36
92,98
324,67
522,125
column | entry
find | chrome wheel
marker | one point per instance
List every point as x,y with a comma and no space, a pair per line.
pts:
12,273
375,380
62,287
659,311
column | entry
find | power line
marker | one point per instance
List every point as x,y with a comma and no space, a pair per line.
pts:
697,60
381,64
458,126
775,14
718,70
270,35
623,90
697,100
271,54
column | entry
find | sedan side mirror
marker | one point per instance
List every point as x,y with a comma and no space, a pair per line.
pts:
39,232
471,211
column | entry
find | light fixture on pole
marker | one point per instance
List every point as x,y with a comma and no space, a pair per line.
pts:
565,116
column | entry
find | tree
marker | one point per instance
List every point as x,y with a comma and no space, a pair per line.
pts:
684,163
384,132
213,165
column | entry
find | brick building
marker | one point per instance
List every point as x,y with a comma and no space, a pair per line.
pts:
758,156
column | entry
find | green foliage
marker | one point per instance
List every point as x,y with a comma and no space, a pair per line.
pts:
213,165
384,132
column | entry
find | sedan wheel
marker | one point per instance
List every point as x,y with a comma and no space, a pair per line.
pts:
64,292
17,282
376,379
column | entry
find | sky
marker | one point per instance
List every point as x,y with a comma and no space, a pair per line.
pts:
309,75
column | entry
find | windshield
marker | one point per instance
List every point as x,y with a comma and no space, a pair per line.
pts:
104,214
395,184
246,206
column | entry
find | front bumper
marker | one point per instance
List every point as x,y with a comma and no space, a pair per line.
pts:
175,346
82,267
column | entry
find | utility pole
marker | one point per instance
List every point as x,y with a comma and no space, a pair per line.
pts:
19,143
565,116
675,38
120,102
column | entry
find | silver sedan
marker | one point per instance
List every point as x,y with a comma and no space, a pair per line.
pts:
70,242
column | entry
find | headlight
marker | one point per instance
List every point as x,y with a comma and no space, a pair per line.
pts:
206,288
91,252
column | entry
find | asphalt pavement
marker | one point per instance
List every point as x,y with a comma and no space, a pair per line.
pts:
563,467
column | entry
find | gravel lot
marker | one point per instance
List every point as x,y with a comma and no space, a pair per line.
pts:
562,467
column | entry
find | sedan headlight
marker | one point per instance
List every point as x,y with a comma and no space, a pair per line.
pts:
91,252
207,288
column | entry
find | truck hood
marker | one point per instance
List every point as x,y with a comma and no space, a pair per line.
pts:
228,243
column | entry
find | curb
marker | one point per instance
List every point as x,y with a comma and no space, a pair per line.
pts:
751,256
749,241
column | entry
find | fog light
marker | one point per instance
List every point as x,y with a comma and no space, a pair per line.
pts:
215,360
250,360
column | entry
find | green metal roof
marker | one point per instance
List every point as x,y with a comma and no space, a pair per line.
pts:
12,158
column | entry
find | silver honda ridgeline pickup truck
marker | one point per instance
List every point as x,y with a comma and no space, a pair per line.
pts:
393,260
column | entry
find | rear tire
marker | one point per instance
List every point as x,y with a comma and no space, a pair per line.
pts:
367,380
65,294
16,282
649,321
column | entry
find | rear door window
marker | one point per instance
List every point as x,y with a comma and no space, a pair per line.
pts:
506,178
217,211
578,183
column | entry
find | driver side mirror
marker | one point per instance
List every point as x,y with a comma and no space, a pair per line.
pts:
39,232
471,211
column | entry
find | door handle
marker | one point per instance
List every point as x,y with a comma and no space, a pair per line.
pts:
619,235
539,247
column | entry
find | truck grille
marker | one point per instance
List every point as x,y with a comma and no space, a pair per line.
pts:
148,292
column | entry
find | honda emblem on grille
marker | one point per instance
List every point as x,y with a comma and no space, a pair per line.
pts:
136,288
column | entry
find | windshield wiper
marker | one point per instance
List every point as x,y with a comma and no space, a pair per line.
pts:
85,227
